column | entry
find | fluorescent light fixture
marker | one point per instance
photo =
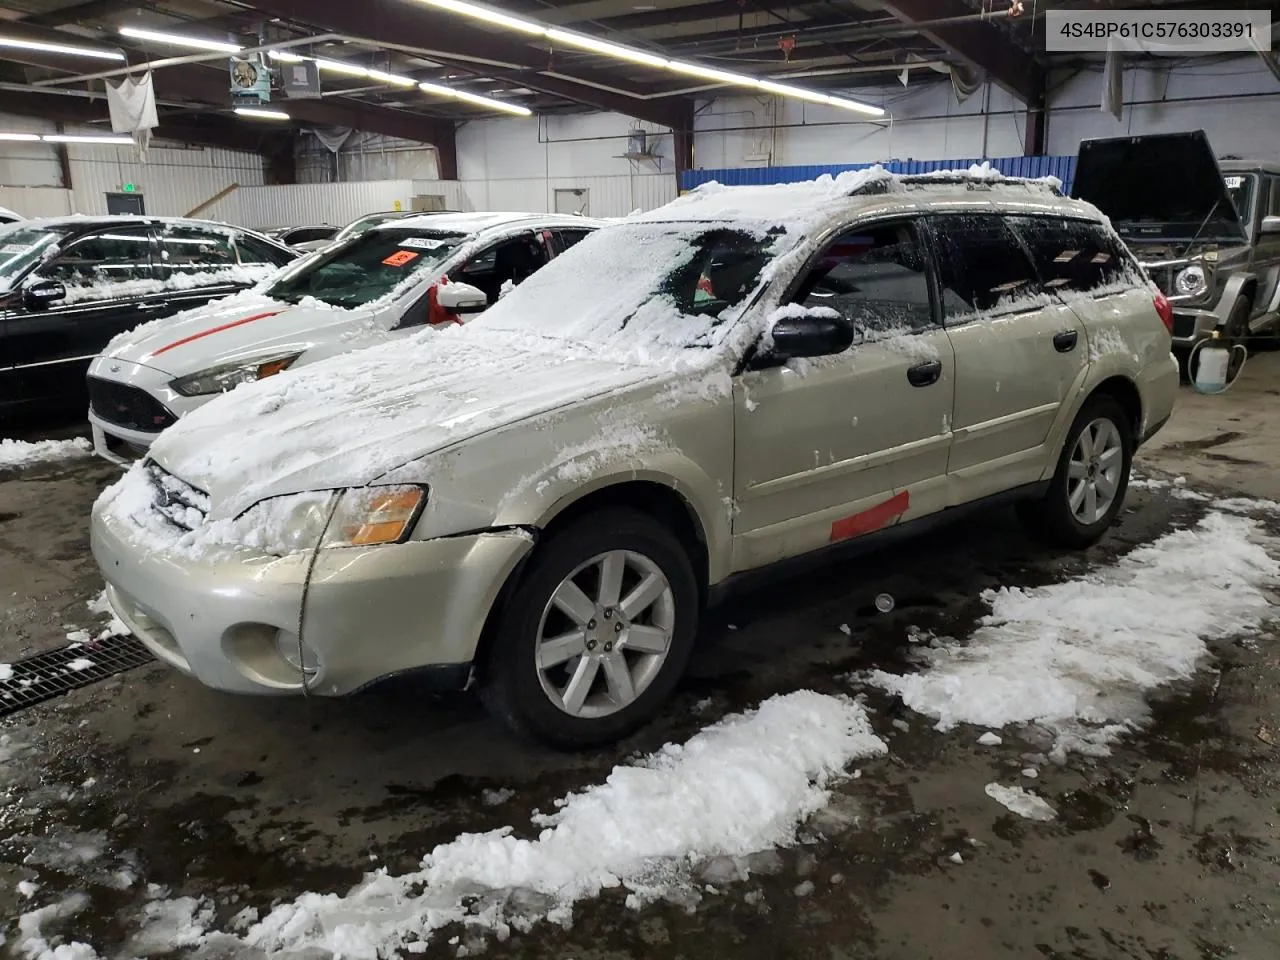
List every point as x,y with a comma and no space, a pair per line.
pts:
84,138
630,54
62,48
488,15
346,69
475,98
710,73
261,114
392,78
27,137
180,40
284,56
606,49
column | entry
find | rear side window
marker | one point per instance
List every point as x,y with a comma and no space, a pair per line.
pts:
567,238
982,269
873,276
187,251
1076,256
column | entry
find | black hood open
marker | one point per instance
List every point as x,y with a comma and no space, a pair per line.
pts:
1165,186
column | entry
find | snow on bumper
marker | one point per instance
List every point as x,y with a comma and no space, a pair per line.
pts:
230,619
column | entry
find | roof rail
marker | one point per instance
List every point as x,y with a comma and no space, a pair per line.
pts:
979,183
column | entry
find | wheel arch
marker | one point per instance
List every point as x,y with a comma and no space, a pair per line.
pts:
1125,391
661,501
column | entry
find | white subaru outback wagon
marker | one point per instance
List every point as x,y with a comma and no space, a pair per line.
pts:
541,503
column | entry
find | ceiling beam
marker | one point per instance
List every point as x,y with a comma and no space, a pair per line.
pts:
397,23
203,131
978,43
87,12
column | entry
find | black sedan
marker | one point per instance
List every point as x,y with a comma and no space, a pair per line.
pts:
70,284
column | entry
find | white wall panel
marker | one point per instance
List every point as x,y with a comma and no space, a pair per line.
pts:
174,179
1241,117
37,201
334,203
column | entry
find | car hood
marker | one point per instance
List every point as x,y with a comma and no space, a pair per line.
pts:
348,420
1158,187
246,325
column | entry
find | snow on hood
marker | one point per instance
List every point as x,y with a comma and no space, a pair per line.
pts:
346,421
248,323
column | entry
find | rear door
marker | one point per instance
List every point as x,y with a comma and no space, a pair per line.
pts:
109,276
833,448
1019,353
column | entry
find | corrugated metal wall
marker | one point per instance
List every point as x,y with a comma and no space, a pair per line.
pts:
610,196
335,203
173,180
1062,167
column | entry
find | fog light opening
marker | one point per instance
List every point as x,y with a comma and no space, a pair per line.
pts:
288,647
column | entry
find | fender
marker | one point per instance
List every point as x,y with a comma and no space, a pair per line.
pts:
1235,284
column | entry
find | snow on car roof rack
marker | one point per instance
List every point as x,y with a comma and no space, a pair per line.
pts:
977,177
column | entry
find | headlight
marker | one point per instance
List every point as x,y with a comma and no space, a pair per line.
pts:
223,378
1190,281
364,516
372,515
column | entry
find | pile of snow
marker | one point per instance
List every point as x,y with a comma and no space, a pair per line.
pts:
1076,658
22,453
240,274
736,788
1176,488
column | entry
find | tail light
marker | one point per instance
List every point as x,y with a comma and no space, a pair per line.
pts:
1165,309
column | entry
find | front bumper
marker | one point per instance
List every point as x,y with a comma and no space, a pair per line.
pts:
371,612
118,444
1191,325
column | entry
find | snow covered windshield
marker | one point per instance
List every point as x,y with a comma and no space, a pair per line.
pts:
368,267
21,247
665,283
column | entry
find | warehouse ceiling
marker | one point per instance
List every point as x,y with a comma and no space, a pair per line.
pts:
832,46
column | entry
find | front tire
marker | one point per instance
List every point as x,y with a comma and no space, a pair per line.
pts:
596,634
1089,485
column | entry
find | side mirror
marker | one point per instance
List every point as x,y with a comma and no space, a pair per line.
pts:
813,332
1270,224
461,298
40,293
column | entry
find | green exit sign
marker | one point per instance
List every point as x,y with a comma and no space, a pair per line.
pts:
130,188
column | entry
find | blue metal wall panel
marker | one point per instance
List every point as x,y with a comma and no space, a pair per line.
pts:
1062,167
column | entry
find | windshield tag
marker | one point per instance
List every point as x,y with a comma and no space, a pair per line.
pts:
1233,183
14,248
421,243
400,258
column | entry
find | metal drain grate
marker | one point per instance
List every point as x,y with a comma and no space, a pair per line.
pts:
55,672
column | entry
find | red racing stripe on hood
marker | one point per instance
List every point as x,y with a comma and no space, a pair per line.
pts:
212,330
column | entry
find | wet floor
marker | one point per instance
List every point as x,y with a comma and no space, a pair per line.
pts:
1165,850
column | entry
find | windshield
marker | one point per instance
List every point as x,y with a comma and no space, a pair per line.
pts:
368,267
21,247
357,227
1240,190
672,284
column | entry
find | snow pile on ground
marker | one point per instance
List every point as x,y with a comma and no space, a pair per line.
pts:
1176,488
1020,801
738,787
1077,657
21,453
100,607
34,942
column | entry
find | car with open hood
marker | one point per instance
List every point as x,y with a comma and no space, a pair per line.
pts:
384,282
541,502
1207,231
70,284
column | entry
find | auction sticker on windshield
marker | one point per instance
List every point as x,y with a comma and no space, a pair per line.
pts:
400,258
421,243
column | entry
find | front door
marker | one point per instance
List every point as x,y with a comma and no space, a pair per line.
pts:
832,448
108,278
1019,353
197,265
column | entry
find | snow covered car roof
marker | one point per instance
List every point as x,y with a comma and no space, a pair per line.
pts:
80,223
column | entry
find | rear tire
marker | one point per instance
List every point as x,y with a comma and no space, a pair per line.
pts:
1088,487
596,634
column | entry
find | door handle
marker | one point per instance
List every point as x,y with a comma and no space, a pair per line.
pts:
923,374
1065,341
152,307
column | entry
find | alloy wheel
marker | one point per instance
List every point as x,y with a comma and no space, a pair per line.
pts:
605,633
1094,471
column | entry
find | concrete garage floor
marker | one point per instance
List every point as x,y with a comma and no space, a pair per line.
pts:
1165,850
